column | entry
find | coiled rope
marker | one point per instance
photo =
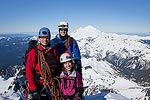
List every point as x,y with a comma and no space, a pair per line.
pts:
53,84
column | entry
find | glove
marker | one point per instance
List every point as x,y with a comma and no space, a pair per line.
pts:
35,96
77,96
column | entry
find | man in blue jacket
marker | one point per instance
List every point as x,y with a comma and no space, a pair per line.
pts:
63,43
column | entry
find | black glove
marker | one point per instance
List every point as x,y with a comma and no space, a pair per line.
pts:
36,96
77,96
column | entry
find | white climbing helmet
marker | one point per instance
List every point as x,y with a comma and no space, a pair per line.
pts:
63,25
65,57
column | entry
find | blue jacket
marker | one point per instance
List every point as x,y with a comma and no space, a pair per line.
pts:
73,48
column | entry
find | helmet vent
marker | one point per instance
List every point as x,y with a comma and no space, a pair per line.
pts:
44,32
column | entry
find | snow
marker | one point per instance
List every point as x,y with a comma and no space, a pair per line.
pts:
110,41
89,30
4,84
99,74
128,88
2,38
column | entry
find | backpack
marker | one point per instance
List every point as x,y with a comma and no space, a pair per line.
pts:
31,44
20,81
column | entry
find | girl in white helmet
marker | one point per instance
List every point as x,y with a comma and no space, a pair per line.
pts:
71,80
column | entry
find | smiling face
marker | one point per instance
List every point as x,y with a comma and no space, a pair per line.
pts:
44,40
63,32
68,66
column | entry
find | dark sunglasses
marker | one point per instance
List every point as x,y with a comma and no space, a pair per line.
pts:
63,29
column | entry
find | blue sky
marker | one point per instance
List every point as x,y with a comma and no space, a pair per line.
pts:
106,15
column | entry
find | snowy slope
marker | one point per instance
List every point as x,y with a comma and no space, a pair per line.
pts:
9,94
102,79
94,47
6,94
110,41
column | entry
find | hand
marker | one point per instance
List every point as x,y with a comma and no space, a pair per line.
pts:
77,94
35,96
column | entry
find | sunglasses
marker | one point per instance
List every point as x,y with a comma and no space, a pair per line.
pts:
63,29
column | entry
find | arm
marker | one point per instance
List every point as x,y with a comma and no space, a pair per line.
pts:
79,84
79,87
30,69
77,56
52,43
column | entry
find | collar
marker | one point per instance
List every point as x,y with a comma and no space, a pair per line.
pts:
72,74
44,49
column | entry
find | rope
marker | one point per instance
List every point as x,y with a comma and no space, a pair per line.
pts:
48,82
45,70
56,89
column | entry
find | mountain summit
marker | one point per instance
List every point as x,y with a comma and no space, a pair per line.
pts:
114,66
88,31
109,56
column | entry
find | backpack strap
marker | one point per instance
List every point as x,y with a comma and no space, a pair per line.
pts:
69,42
56,42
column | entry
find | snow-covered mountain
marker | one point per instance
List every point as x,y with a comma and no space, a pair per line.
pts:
115,61
115,67
128,54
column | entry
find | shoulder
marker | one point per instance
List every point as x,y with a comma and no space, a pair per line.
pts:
55,38
62,75
73,74
73,40
78,74
54,41
32,52
51,50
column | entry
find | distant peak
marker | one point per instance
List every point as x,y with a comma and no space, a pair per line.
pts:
89,27
87,31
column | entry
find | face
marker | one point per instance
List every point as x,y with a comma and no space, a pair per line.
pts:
44,40
68,66
63,32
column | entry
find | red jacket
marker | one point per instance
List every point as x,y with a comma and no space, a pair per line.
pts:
32,66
